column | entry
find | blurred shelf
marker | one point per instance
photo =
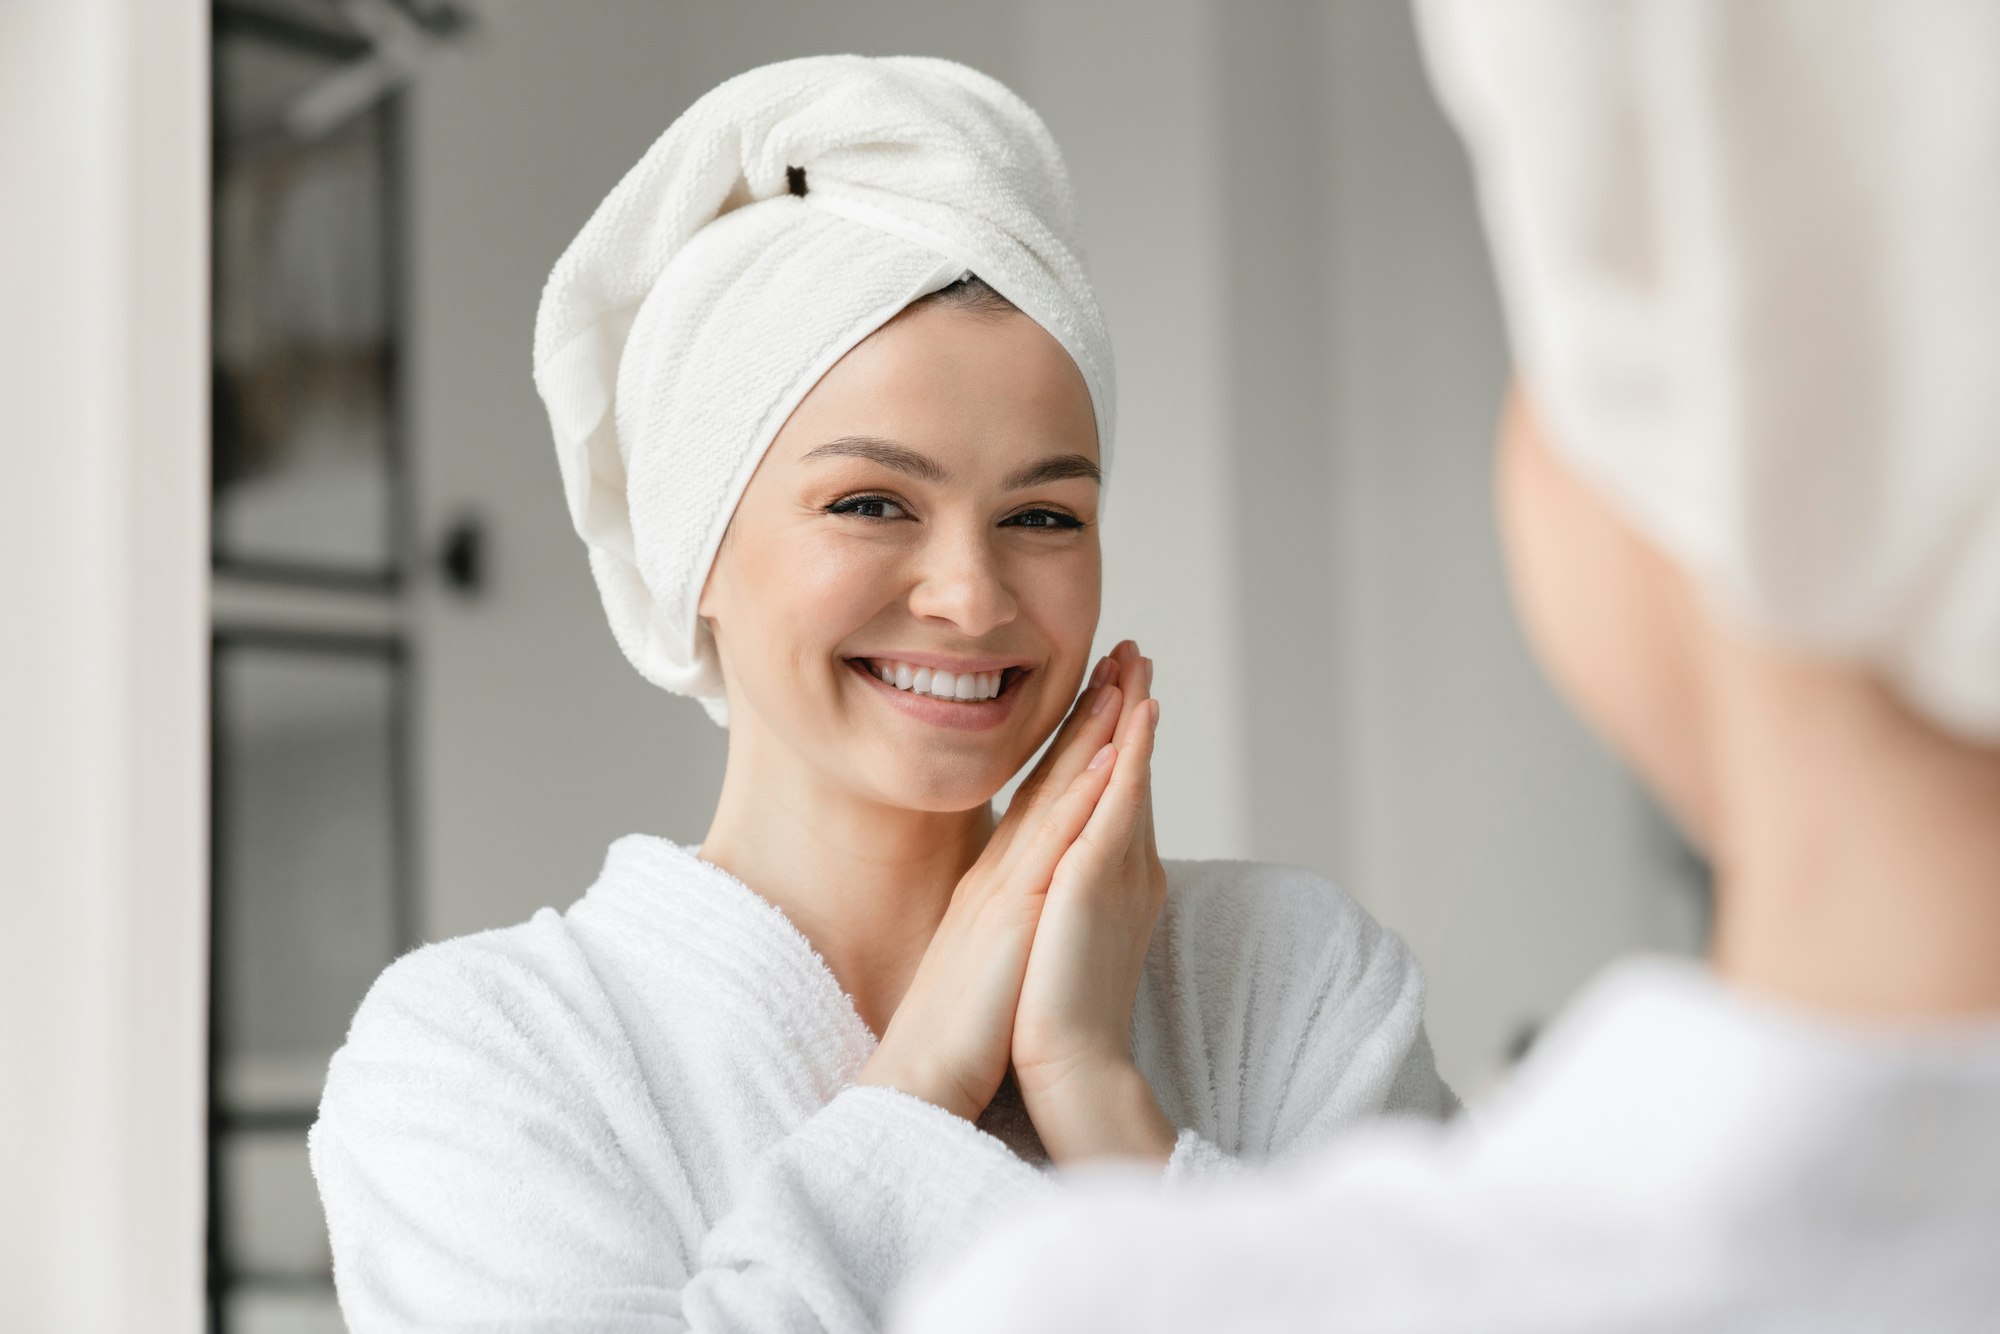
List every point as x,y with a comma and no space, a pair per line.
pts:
241,604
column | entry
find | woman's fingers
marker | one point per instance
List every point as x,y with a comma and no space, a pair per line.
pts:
1089,725
1058,770
1096,724
1043,846
1103,674
1120,802
1120,809
1069,752
1135,681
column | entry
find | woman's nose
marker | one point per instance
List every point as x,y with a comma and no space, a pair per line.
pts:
961,582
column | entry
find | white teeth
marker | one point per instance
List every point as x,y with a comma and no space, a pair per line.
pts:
939,684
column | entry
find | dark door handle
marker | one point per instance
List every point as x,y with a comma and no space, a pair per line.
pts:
463,556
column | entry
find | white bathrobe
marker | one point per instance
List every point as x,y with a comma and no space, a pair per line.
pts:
639,1115
1673,1157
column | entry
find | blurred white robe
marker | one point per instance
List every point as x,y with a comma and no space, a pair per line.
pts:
638,1114
1671,1157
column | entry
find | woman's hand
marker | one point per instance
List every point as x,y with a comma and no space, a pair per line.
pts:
950,1038
1073,1028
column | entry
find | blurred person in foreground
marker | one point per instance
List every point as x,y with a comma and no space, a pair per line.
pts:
1749,490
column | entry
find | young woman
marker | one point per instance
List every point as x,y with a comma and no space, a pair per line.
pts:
832,398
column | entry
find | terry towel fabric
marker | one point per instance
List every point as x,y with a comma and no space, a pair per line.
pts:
788,214
638,1114
1674,1157
1752,282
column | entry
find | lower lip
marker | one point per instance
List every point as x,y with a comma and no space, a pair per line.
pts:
965,715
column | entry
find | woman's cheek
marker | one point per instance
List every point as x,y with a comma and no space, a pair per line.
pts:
1063,597
1074,597
835,582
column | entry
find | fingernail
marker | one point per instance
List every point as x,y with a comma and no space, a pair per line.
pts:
1102,757
1104,697
1155,711
1149,670
1105,667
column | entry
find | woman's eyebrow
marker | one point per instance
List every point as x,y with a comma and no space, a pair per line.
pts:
887,453
1057,468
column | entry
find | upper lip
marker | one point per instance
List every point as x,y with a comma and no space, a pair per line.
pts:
945,662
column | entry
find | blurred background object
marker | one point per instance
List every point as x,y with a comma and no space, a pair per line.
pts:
422,726
312,809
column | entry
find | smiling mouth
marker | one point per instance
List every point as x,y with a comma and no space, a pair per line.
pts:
930,683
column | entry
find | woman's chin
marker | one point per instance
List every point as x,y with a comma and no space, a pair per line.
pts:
943,796
941,784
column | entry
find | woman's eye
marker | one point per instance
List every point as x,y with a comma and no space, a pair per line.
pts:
1043,519
868,507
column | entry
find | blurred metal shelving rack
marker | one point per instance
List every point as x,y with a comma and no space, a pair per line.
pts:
312,821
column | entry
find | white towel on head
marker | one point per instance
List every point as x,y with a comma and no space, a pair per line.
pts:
1751,255
784,217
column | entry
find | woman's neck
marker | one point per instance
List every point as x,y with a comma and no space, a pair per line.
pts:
865,882
1860,848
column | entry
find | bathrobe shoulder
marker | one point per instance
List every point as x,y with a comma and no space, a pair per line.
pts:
1274,1010
640,1112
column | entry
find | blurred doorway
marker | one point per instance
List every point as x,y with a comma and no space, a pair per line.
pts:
312,565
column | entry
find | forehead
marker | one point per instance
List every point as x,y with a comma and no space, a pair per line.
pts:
953,383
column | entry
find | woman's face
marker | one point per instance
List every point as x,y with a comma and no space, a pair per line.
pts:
928,514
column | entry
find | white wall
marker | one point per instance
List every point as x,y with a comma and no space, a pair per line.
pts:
103,577
1481,819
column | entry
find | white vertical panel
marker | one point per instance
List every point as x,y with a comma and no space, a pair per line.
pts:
103,562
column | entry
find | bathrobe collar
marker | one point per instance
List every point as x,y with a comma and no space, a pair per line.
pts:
697,916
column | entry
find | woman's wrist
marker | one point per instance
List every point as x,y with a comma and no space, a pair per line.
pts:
884,1070
1100,1111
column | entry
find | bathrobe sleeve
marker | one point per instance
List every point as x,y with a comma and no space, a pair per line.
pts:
1276,1012
488,1157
